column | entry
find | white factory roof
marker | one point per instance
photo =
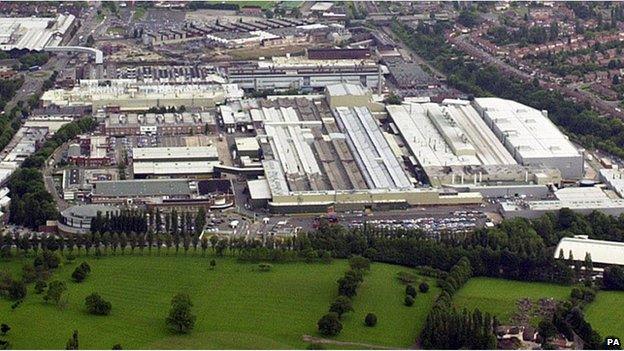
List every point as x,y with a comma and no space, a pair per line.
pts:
259,189
448,135
275,177
342,89
614,178
529,131
321,6
605,252
168,168
174,153
87,92
33,33
380,165
582,198
247,144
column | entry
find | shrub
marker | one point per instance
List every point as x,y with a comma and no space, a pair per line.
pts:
409,300
97,305
423,287
410,290
370,320
341,305
329,324
17,290
359,263
40,286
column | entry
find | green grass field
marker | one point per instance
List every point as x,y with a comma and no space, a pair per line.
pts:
236,305
499,296
265,5
604,314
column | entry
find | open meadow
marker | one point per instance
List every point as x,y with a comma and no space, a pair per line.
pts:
237,306
605,313
499,296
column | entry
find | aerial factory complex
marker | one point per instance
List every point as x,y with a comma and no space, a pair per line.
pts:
432,175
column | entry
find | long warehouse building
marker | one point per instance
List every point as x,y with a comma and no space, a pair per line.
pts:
530,136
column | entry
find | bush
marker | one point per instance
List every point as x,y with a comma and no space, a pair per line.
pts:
409,300
17,290
97,305
265,267
410,290
406,277
359,263
341,305
40,286
81,272
370,320
423,287
329,324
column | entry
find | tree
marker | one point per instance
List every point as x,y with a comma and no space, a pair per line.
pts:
410,290
613,278
341,305
370,320
55,291
200,221
81,272
409,300
17,290
97,305
329,324
117,347
72,343
546,329
40,286
359,263
4,329
180,318
213,264
423,287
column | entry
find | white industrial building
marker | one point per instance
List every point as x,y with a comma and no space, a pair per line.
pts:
33,33
583,200
601,252
530,136
132,95
454,146
197,161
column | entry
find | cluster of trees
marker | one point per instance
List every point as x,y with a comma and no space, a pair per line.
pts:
31,204
447,328
126,221
10,120
330,324
34,59
523,35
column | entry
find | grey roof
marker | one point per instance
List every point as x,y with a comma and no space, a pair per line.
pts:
88,211
141,187
345,89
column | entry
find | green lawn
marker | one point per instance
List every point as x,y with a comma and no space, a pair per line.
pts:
499,296
265,5
383,294
605,313
236,305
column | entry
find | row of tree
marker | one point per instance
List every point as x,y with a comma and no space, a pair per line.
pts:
447,328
